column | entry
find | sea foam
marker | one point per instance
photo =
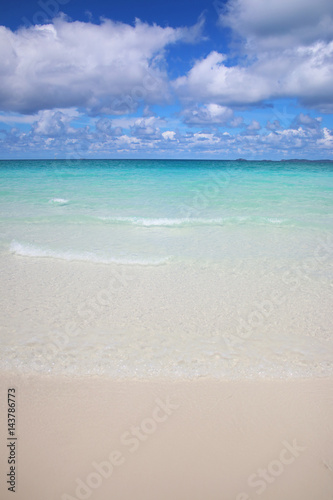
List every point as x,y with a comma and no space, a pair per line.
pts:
59,201
200,221
28,250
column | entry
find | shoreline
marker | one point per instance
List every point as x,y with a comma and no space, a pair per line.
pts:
231,321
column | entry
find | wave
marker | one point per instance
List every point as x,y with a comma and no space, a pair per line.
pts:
156,222
28,250
147,222
186,221
59,201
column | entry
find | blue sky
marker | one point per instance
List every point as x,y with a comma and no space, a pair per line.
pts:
181,79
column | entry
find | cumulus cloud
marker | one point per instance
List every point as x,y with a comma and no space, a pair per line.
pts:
286,52
54,123
280,23
326,139
254,126
148,138
169,135
211,80
210,114
105,68
60,82
15,118
147,128
305,73
237,122
306,121
104,126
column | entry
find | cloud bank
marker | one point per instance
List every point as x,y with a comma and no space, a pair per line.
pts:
106,68
279,23
79,87
286,51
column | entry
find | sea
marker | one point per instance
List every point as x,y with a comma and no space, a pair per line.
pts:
150,212
203,215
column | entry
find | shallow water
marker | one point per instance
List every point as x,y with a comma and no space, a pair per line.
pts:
229,267
152,211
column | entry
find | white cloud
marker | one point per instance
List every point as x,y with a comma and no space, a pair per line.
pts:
303,140
206,139
327,139
53,123
254,126
280,23
210,114
147,127
14,118
237,122
211,80
52,72
105,126
286,51
305,73
169,135
305,120
108,67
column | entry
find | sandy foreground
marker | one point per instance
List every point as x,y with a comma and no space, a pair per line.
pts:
101,438
172,383
238,320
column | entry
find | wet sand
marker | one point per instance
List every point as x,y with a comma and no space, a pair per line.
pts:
237,320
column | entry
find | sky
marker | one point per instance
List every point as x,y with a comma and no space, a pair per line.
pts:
221,79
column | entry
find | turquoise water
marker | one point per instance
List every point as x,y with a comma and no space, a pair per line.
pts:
155,211
235,275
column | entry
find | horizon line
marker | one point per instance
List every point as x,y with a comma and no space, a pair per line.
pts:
168,159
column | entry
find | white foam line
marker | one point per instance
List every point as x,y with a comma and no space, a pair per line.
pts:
59,201
141,221
27,250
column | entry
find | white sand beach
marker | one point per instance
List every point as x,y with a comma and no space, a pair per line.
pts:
237,320
182,408
101,438
166,250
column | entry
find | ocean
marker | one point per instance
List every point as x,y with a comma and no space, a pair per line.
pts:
231,264
151,212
